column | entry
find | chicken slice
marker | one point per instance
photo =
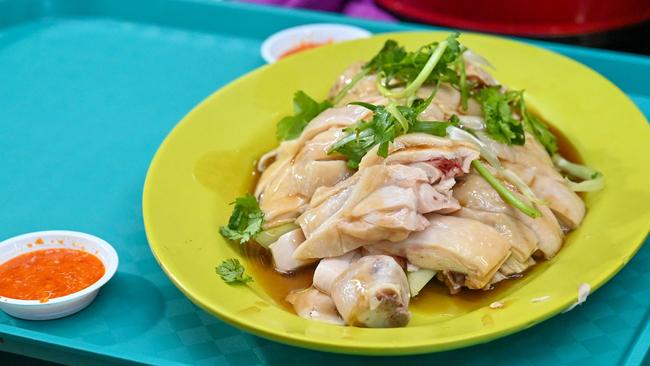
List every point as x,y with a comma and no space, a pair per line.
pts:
533,164
302,165
498,277
378,203
387,197
282,252
373,292
329,269
475,193
522,240
453,280
312,304
567,206
532,154
455,244
373,250
513,266
422,147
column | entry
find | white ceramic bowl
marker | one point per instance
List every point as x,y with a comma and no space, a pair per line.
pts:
285,40
65,305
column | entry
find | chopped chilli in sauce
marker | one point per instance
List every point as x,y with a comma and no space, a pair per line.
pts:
302,46
49,273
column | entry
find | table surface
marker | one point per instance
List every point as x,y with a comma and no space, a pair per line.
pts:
87,93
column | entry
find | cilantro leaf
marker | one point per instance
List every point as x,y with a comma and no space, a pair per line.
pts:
498,114
434,62
246,220
305,109
362,137
390,54
387,123
232,271
538,129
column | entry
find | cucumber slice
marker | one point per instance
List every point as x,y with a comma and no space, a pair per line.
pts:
418,279
270,236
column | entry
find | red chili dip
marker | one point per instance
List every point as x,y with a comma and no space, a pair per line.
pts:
302,47
49,273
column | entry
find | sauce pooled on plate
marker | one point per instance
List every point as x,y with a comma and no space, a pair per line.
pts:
49,273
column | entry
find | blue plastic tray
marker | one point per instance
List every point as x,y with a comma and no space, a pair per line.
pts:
88,90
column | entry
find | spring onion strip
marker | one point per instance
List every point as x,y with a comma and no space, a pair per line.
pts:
592,180
459,134
464,92
504,192
513,178
421,78
348,138
591,185
380,85
341,94
575,170
392,109
411,99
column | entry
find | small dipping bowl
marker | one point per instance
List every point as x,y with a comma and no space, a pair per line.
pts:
57,307
320,33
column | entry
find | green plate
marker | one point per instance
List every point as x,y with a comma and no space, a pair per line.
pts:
207,160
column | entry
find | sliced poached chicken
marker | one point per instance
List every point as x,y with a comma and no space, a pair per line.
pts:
302,165
387,198
475,193
454,244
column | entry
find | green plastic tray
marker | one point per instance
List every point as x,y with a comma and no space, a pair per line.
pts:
89,89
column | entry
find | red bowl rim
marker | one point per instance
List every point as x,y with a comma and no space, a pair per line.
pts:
403,8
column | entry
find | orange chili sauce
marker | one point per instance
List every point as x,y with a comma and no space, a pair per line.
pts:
302,47
49,273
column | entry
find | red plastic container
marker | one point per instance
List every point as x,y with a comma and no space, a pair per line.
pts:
533,18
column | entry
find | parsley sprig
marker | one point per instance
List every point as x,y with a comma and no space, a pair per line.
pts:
435,62
305,109
400,74
246,220
537,128
386,124
500,122
499,111
231,271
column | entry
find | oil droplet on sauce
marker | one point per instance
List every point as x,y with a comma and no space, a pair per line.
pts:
39,241
49,273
